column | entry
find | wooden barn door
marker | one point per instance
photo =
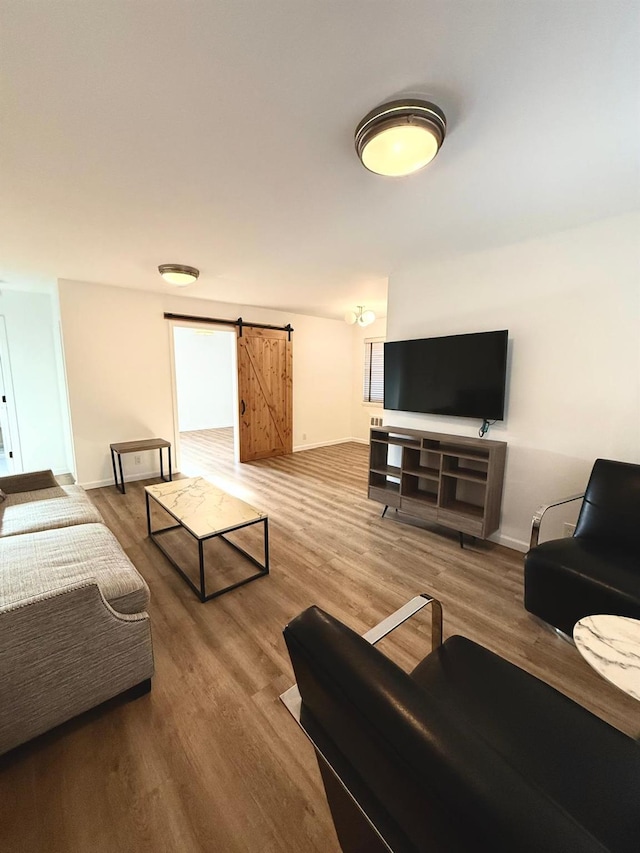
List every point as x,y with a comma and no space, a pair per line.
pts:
265,360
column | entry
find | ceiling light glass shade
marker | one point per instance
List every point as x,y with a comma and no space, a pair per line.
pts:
362,317
366,318
400,137
178,274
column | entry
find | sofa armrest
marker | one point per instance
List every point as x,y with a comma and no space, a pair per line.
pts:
30,482
539,513
63,652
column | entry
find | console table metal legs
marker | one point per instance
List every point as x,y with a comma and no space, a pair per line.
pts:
139,447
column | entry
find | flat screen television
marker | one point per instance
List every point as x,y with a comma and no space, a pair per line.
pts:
461,375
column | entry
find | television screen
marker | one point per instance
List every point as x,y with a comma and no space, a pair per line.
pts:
461,375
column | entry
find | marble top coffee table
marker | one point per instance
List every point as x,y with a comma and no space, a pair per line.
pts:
611,645
205,511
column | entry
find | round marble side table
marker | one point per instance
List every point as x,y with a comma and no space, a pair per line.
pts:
611,645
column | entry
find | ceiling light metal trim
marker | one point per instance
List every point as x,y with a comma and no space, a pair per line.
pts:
180,270
401,113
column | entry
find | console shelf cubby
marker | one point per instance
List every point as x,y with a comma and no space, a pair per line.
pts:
453,480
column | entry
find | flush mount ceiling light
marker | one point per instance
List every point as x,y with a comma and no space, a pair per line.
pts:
362,317
400,137
178,274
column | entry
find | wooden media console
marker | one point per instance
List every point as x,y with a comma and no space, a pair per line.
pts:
452,480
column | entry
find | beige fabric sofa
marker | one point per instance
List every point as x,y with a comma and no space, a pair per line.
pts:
74,630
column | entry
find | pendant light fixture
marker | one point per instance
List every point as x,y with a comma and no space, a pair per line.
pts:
361,318
400,137
178,274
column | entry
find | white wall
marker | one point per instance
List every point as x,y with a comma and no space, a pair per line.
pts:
205,365
322,372
38,383
117,349
571,302
361,412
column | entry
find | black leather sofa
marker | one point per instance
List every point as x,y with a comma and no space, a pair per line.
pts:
466,753
597,570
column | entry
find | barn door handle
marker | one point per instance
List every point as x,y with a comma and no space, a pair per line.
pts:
244,408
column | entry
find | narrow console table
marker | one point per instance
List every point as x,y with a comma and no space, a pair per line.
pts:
138,447
453,480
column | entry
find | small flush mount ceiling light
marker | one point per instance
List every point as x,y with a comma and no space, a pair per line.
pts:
400,137
361,318
178,274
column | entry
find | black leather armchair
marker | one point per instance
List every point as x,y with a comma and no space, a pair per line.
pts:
597,570
466,753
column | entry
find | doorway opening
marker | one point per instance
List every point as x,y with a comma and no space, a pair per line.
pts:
10,457
206,398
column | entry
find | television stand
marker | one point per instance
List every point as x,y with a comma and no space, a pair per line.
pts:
452,480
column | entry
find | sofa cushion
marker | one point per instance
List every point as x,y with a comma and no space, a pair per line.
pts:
51,559
44,509
28,482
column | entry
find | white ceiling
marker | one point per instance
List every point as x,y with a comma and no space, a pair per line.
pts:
220,134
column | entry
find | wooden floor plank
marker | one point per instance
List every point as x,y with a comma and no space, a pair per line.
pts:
210,760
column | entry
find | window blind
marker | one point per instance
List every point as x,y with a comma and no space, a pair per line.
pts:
373,379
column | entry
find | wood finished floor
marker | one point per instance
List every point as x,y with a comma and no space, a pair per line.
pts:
210,761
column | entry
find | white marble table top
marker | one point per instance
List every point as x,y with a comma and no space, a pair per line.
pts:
611,645
204,509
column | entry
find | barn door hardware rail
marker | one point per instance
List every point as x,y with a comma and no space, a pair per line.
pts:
240,323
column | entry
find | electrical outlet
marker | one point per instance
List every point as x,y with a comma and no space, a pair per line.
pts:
568,529
137,459
304,436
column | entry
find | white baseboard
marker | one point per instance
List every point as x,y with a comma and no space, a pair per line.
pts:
129,478
300,447
510,542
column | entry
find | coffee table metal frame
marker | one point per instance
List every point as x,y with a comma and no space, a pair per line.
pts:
201,591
